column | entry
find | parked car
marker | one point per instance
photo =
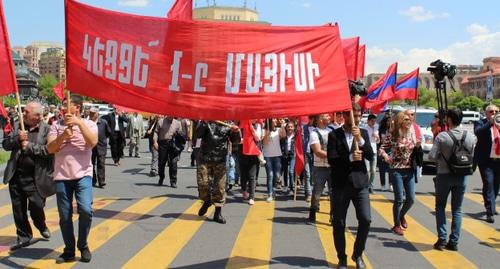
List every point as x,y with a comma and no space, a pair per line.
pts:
470,116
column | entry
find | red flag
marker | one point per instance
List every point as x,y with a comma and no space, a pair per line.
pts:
360,69
407,87
8,83
299,151
202,69
249,146
350,47
59,90
381,90
181,10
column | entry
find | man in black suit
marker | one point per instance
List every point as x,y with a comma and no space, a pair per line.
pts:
488,160
117,123
100,150
29,173
350,183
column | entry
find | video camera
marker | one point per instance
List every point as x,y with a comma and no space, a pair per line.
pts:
357,88
440,70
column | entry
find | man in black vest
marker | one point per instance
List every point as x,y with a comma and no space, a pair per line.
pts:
29,173
350,183
100,150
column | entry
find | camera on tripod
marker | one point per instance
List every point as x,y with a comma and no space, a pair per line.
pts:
440,70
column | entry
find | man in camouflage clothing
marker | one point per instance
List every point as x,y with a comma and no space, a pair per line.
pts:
212,164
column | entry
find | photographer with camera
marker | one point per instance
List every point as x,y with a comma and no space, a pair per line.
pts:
487,158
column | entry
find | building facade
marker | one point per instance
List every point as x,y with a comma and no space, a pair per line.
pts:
225,13
53,61
475,85
33,52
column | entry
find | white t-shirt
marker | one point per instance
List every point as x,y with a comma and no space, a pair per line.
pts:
372,133
493,154
314,139
272,148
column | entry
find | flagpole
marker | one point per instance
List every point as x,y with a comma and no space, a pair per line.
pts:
20,111
295,186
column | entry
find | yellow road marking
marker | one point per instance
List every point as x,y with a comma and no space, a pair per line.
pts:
104,231
7,209
478,198
485,233
421,238
325,231
51,220
163,249
252,248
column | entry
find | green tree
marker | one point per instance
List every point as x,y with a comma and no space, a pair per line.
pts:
427,98
471,103
46,85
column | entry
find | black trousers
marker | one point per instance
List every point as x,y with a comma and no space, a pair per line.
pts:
248,170
117,144
341,199
98,161
167,154
24,197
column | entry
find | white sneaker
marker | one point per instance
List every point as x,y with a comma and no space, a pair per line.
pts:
390,188
269,199
251,202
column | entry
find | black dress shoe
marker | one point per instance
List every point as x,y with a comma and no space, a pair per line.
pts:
490,219
451,246
440,244
66,257
160,182
101,185
360,264
173,185
152,174
45,233
20,244
342,264
86,256
204,208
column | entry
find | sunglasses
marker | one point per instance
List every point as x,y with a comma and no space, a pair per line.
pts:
493,111
406,119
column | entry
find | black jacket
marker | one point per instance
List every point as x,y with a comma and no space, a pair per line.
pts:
482,152
214,141
343,170
44,162
103,132
110,118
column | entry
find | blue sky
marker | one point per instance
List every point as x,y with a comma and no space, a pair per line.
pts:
412,33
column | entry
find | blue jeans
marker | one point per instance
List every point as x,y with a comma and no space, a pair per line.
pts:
490,175
273,171
372,169
232,169
446,183
403,181
321,177
82,189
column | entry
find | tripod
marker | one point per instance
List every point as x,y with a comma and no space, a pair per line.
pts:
442,101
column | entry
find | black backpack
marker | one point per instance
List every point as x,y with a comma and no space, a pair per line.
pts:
460,162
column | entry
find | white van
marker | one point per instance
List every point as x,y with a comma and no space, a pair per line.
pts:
470,116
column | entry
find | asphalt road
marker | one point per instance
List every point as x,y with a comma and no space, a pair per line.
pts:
140,225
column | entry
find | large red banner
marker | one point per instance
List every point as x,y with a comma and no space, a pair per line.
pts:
8,82
204,70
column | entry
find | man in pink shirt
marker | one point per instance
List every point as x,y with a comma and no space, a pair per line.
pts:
71,140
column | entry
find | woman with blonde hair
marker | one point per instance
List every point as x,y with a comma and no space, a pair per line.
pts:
401,143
